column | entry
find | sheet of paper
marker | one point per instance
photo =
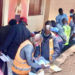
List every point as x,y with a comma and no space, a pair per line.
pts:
55,68
41,61
4,58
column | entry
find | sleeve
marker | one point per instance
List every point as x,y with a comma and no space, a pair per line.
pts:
56,49
37,51
8,39
28,51
57,20
66,17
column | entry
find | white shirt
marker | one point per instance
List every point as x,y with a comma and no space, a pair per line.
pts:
59,18
18,8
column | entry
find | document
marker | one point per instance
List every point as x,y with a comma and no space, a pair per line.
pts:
55,68
4,58
42,60
41,73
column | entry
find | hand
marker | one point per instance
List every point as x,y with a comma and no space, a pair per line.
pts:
51,61
37,59
0,53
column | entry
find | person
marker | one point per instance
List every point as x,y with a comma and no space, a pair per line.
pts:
49,47
61,16
67,31
18,34
4,32
23,60
18,10
71,15
72,23
72,39
61,30
59,39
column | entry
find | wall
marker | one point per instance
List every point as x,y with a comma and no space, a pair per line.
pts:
35,23
56,4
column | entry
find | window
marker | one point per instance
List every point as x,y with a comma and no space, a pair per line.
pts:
35,7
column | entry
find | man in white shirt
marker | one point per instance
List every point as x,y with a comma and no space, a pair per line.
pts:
60,17
18,10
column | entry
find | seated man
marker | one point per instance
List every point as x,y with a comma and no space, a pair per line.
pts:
59,39
23,60
49,47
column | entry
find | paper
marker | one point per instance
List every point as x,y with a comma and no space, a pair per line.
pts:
41,73
4,58
42,60
55,68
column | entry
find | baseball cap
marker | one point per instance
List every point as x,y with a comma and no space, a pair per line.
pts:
23,19
55,29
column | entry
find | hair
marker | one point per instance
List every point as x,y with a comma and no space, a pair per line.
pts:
48,23
60,9
64,20
38,36
53,23
12,22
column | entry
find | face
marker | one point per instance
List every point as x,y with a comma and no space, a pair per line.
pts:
19,1
61,12
47,32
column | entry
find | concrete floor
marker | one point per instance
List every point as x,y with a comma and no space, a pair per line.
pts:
68,68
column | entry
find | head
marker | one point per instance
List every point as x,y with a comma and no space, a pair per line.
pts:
55,30
64,21
48,23
71,12
12,22
47,30
24,20
18,2
53,23
37,39
60,11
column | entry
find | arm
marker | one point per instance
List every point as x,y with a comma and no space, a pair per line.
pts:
57,20
28,52
56,49
8,40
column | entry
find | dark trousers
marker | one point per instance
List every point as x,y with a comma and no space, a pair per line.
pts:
17,18
1,65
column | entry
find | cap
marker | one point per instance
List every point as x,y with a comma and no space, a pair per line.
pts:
54,29
23,19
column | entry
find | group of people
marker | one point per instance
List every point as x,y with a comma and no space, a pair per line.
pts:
22,46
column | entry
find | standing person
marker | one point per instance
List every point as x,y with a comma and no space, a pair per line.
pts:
18,34
4,32
18,9
61,30
61,16
49,47
67,31
71,15
59,39
23,61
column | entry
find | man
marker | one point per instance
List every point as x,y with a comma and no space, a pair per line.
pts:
61,16
59,39
67,31
18,10
61,30
18,34
49,47
4,32
23,61
71,15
